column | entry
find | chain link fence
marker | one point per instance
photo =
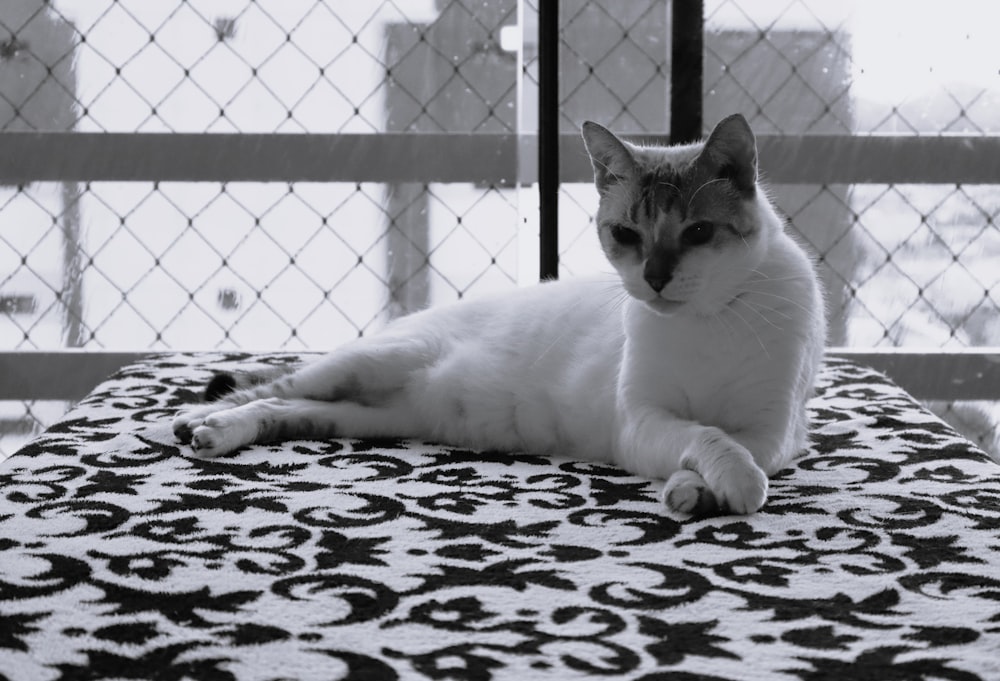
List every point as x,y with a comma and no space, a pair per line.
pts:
175,265
903,265
163,265
212,265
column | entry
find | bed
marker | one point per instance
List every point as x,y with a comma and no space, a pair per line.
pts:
877,555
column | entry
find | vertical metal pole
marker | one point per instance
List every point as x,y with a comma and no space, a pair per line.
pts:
548,138
686,67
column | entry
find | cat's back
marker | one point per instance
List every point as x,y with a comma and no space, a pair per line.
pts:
564,311
531,369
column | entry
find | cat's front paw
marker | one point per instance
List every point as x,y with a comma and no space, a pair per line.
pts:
210,429
220,433
742,490
687,493
730,472
186,420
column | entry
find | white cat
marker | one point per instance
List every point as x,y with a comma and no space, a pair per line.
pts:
693,365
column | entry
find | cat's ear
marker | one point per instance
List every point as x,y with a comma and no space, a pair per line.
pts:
731,152
613,162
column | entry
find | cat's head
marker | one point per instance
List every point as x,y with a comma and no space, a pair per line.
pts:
684,226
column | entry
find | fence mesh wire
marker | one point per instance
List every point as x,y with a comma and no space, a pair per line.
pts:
182,265
903,265
170,265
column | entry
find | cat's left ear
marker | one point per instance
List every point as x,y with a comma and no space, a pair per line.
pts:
731,152
612,160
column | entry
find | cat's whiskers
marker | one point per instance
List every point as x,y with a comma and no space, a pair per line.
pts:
765,277
691,199
758,306
607,168
551,345
760,314
619,301
746,293
613,302
786,299
753,331
672,186
618,297
728,331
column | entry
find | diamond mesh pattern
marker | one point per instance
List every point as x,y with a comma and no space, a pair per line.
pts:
903,264
166,265
178,265
249,265
174,265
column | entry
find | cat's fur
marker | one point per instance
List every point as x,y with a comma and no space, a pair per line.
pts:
693,365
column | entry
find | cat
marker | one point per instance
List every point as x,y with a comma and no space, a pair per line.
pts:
692,364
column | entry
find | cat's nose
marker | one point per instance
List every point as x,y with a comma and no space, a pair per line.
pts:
657,283
659,270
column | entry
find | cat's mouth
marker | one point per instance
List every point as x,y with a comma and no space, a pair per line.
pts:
668,307
663,306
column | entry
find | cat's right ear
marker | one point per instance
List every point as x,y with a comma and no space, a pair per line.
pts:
613,162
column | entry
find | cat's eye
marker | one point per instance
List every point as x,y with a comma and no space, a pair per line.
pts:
626,236
697,234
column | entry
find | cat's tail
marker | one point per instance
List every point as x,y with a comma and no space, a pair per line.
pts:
223,383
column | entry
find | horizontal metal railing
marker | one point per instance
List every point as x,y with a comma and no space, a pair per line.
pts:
182,157
460,157
483,158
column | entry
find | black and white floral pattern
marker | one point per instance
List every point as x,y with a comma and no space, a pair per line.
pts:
877,555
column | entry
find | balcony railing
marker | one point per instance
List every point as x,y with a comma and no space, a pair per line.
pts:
968,374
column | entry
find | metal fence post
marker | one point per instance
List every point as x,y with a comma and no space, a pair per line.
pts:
686,69
548,138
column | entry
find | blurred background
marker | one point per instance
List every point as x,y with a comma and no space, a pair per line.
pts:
147,264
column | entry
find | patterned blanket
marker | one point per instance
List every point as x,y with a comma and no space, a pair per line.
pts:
877,555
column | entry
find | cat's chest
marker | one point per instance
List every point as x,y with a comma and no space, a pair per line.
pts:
689,373
698,370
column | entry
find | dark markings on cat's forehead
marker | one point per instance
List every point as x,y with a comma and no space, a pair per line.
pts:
658,189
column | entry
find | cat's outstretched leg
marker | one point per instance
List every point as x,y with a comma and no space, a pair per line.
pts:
190,417
368,372
222,384
277,419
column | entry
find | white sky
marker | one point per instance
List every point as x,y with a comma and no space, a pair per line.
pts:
905,47
901,48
